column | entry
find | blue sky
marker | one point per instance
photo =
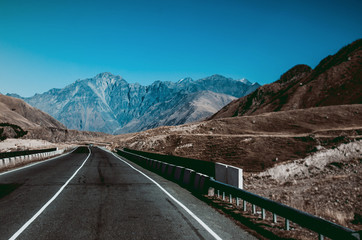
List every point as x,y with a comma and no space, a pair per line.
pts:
50,44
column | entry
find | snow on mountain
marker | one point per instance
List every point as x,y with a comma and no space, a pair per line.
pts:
108,103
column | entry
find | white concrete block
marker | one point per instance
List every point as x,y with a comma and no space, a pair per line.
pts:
235,176
221,172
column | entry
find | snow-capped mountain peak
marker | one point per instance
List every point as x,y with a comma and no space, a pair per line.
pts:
245,81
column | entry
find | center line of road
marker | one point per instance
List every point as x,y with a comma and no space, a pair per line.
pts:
207,228
49,202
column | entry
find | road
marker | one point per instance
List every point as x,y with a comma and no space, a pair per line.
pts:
93,194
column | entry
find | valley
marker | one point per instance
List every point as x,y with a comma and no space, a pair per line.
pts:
298,140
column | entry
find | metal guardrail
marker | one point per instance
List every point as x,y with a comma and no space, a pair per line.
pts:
316,224
201,166
321,226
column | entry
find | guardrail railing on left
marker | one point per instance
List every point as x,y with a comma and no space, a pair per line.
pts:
16,159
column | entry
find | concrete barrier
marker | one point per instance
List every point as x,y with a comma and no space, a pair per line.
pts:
23,159
150,162
203,183
229,174
221,172
170,170
154,165
197,181
178,173
158,167
235,176
164,168
188,176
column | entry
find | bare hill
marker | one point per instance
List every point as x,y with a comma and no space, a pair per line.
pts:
336,80
19,119
18,112
253,143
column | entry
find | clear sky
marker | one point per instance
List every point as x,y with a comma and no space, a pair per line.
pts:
50,44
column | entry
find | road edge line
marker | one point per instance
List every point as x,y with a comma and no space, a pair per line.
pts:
15,235
207,228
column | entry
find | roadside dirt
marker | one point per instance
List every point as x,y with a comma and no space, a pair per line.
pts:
254,143
331,190
327,184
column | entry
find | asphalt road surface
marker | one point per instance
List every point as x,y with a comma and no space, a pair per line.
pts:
92,194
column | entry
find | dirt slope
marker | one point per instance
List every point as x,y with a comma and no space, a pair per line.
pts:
18,112
253,143
19,119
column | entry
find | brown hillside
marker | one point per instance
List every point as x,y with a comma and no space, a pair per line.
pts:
18,112
253,142
19,119
336,80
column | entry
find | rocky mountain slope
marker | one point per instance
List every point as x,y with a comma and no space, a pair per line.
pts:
336,80
18,112
107,103
19,119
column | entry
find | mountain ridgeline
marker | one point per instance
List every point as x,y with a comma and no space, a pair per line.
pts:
336,80
107,103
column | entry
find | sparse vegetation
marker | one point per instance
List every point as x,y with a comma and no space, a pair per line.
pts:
11,130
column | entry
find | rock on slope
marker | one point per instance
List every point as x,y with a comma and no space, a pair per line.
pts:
109,104
336,80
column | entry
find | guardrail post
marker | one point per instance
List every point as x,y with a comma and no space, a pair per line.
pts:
223,196
218,193
231,198
254,209
287,227
244,205
263,213
237,201
320,237
274,218
211,192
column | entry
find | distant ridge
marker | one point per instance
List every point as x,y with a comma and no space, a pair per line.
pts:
337,80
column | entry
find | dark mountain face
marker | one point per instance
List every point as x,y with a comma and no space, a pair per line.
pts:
337,80
107,103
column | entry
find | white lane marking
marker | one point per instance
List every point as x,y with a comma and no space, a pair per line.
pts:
49,202
207,228
36,163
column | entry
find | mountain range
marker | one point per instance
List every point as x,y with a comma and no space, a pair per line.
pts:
108,103
304,111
